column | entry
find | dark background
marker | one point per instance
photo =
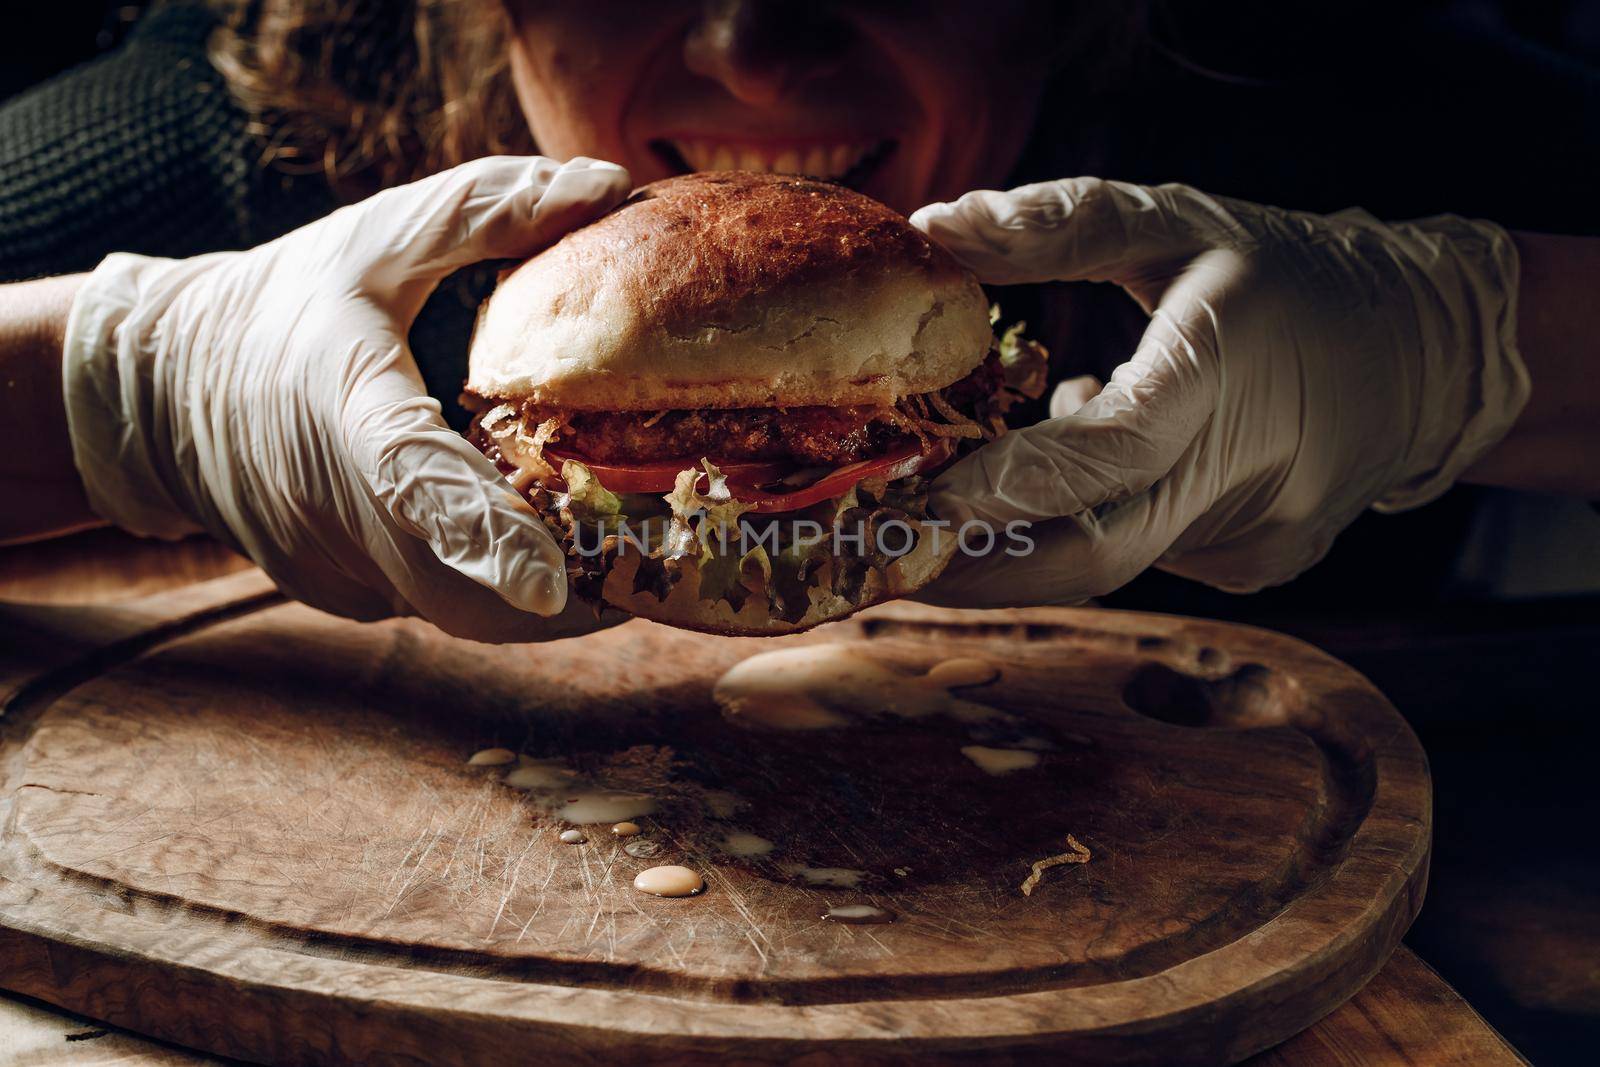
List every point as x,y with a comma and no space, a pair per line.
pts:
58,35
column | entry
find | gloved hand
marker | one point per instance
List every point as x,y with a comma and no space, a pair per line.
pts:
268,397
1296,370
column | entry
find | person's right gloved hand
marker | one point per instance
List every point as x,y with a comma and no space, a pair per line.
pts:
269,398
1296,370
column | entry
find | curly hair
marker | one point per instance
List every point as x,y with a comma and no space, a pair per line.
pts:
372,93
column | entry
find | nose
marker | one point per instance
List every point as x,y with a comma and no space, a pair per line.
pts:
760,50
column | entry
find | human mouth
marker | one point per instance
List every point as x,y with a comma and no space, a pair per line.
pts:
846,162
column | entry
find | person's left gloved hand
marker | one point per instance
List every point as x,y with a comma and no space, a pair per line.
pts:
269,397
1297,369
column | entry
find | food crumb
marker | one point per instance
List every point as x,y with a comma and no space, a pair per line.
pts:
1079,854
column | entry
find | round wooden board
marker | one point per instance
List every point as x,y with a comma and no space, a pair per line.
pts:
250,828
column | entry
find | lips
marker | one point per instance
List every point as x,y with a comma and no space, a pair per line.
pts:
845,161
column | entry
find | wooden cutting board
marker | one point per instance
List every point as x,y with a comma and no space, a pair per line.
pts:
250,828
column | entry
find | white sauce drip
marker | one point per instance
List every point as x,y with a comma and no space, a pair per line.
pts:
721,803
817,687
961,671
604,806
643,848
1000,760
548,774
834,877
560,791
740,843
858,914
669,881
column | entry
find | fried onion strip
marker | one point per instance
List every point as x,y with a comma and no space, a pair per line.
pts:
1079,854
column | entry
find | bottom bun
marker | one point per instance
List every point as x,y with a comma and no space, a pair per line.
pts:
685,608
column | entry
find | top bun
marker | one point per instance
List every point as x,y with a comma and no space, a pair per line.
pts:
732,290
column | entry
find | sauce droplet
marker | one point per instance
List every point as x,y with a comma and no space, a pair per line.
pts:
540,775
820,687
960,671
1000,760
836,877
669,881
721,803
604,806
742,843
492,757
642,849
625,829
858,915
572,837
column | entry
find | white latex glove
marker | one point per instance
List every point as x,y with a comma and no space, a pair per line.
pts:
269,397
1297,369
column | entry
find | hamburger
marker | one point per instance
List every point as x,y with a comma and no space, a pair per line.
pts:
725,398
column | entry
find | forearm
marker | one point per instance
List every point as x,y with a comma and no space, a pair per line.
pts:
1555,444
38,482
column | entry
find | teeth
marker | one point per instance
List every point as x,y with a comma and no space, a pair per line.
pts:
695,153
822,161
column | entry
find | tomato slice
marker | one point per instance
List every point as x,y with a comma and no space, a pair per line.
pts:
745,478
899,463
660,476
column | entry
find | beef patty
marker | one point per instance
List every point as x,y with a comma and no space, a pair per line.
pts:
810,436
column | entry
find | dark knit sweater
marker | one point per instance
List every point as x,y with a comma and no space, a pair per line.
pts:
143,150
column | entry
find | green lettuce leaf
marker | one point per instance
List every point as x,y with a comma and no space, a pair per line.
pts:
755,570
703,520
729,576
586,498
720,579
703,526
1025,363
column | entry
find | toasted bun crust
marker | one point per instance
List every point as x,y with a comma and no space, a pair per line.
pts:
684,608
732,290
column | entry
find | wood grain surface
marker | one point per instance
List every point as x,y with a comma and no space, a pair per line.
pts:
1407,1016
105,565
270,813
